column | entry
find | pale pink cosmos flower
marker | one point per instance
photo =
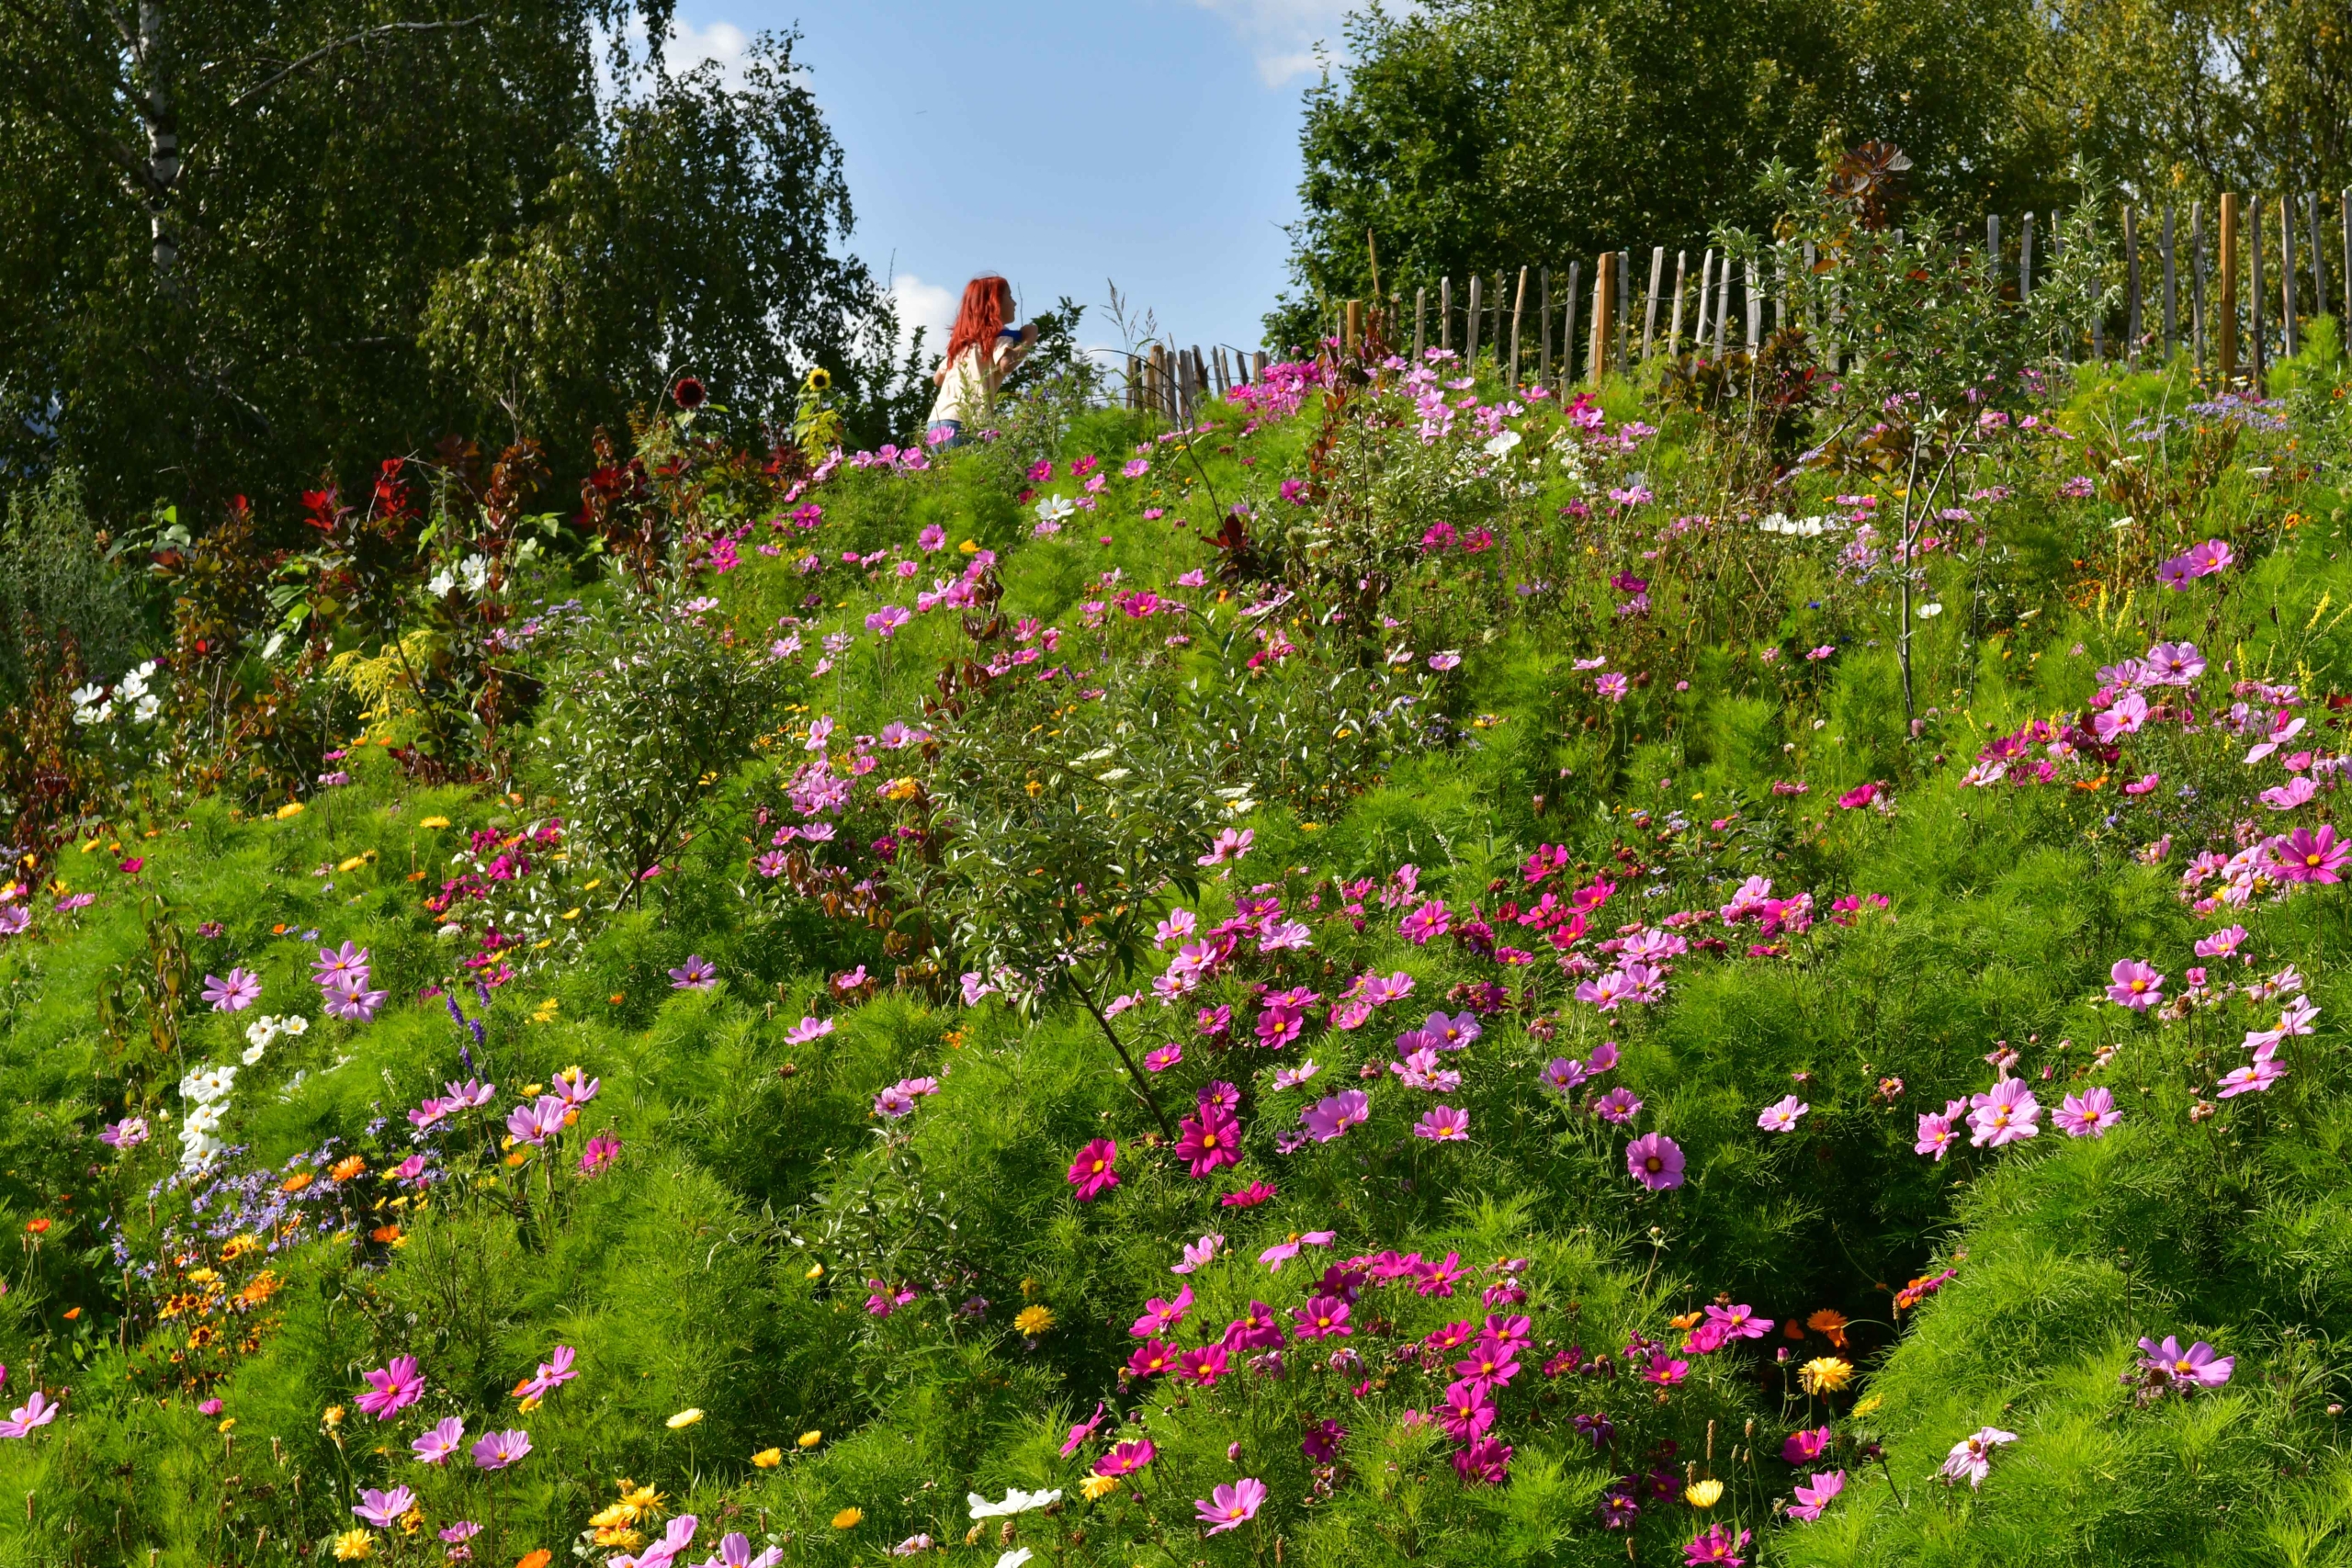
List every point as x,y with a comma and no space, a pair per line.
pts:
1814,1494
1972,1458
2087,1115
2136,985
392,1388
1230,1507
1330,1118
1443,1124
1781,1116
2008,1114
439,1442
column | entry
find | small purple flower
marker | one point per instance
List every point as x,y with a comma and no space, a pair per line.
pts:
1330,1118
439,1442
127,1133
697,974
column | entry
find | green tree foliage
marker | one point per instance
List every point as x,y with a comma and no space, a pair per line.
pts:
227,228
1476,134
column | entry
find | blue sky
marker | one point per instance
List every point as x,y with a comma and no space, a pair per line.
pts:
1062,143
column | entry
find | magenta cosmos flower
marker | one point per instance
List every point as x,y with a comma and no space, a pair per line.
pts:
2306,856
697,974
1781,1116
553,1373
392,1388
1127,1458
1806,1445
1715,1547
234,993
1656,1161
2087,1115
1814,1493
537,1122
1937,1135
602,1151
1092,1172
500,1449
2009,1114
2136,985
1329,1118
1324,1317
1211,1141
2196,1365
1230,1507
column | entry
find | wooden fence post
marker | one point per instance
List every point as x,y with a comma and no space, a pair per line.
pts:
1723,300
1518,310
1993,252
1351,339
1597,355
2025,258
1649,311
2319,256
1568,328
2287,276
1258,366
1470,324
2172,294
2255,360
1445,313
1621,343
2131,284
2200,338
2343,210
2098,315
1420,323
1699,320
1543,334
1755,302
1674,317
2225,338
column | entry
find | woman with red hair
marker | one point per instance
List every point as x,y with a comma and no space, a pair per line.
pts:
981,352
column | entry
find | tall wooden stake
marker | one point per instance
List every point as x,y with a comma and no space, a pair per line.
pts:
2225,340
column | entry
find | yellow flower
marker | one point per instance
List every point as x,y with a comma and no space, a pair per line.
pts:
768,1458
816,1271
226,1423
334,1417
352,1546
1865,1406
810,1440
435,822
1704,1494
613,1516
683,1418
1826,1374
848,1518
291,809
1098,1486
1034,1320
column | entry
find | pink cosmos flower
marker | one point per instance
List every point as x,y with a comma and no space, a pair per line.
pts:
1937,1136
127,1133
2087,1115
537,1122
1202,1366
1230,1507
1330,1118
1781,1116
38,1410
2253,1078
239,990
334,963
440,1442
1618,1106
1324,1316
600,1153
1198,1254
1092,1171
1164,1316
1228,845
2196,1366
1467,1411
1432,920
1162,1059
348,997
1153,1357
500,1449
1211,1141
392,1388
383,1509
697,974
1443,1124
1612,686
1127,1458
2306,856
1806,1445
553,1373
1740,1321
2136,985
1656,1161
1486,1462
1972,1456
2008,1114
1715,1547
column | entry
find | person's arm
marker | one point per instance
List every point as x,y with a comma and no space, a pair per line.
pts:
1011,351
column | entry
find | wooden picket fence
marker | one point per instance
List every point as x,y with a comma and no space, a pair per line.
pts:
1171,381
1506,318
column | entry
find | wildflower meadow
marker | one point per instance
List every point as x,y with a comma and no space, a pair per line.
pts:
1726,963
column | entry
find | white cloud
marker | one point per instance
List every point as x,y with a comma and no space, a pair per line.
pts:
686,47
1282,35
926,305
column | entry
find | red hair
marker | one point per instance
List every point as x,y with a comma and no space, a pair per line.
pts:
981,317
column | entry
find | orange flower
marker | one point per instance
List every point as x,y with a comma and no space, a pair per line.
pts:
540,1559
39,1228
1831,1321
1686,1320
73,1313
388,1235
347,1167
296,1183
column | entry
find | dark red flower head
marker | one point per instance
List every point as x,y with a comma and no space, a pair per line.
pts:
689,393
